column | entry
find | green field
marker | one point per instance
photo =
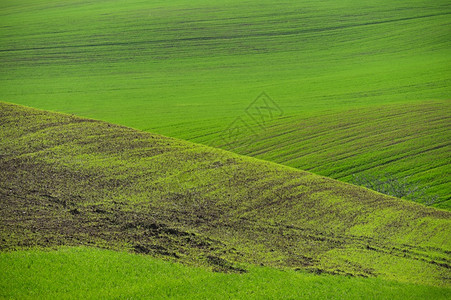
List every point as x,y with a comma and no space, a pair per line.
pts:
188,70
171,67
93,274
351,88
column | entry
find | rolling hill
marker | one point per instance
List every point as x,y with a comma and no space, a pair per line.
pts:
73,181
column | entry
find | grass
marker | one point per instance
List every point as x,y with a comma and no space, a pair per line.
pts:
188,69
93,273
98,184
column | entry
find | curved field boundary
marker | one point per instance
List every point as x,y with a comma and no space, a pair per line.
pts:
66,180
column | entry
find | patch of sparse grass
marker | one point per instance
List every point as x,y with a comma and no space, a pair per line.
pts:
98,184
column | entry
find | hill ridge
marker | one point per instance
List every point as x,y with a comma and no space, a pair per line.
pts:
68,180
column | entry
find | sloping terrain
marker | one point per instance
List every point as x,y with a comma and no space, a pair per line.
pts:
187,69
66,180
412,141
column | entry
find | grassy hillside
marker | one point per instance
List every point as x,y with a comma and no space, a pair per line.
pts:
66,180
93,274
160,65
409,140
